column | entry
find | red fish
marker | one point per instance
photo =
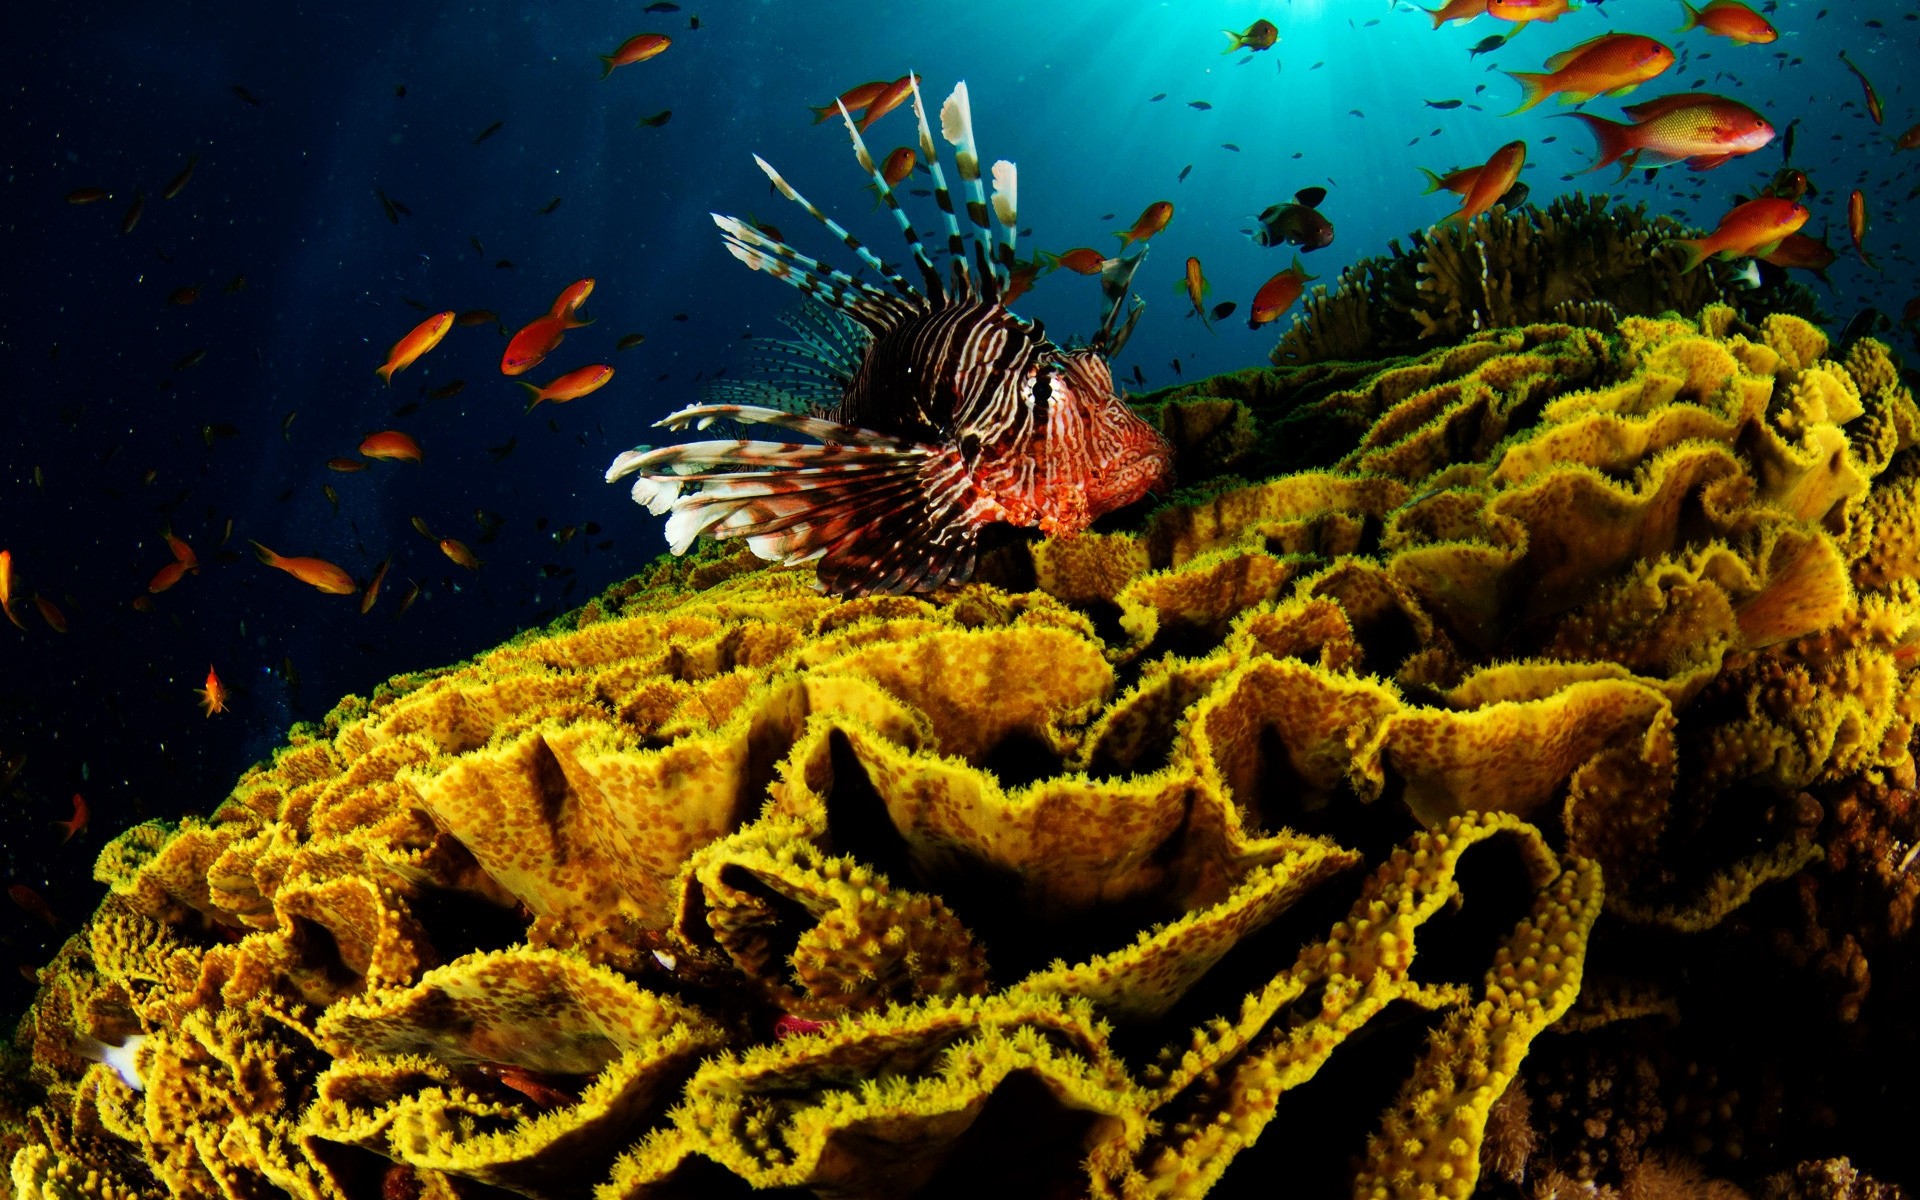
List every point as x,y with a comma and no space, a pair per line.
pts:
1520,12
373,586
1730,19
213,697
1874,108
566,305
1457,10
50,613
535,340
1084,260
1751,230
30,901
638,48
420,339
179,181
1857,225
1798,251
456,550
1611,64
1910,140
1277,295
315,572
1499,174
891,97
1152,219
391,444
571,386
1700,130
166,577
1196,287
77,822
853,100
88,195
6,589
953,414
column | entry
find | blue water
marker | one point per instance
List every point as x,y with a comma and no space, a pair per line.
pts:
284,193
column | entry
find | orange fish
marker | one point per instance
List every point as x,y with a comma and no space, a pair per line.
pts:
166,577
1020,280
87,195
638,48
50,613
317,572
6,588
457,550
1521,12
1457,10
420,339
373,587
1874,109
1082,259
30,900
853,100
890,98
566,305
1611,64
1460,181
1277,295
1751,230
1729,19
77,822
1492,182
899,164
536,339
1799,250
1261,35
406,601
182,553
1700,130
1196,287
390,443
213,697
1910,140
1152,220
133,212
1857,225
345,465
571,386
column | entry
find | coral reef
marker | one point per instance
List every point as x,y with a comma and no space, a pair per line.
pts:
1581,260
1443,821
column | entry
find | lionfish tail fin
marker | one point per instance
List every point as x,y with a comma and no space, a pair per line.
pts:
862,505
956,125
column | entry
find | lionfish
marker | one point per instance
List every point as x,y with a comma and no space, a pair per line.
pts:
937,413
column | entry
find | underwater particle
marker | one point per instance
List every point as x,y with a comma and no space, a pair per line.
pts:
417,341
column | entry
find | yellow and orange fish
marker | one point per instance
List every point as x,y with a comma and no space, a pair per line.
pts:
1261,35
50,613
571,386
1195,286
1522,12
77,822
1277,295
566,306
899,164
1730,19
1457,10
1020,280
1153,218
6,589
853,100
420,339
534,341
390,444
1874,107
1611,64
1751,230
1798,251
638,48
456,550
316,572
1701,130
1492,182
1910,140
373,586
1857,225
1083,260
890,98
166,577
213,697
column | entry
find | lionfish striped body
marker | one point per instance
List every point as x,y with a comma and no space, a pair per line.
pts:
938,412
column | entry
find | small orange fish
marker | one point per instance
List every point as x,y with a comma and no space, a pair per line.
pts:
1797,250
535,340
457,550
638,48
87,195
390,444
1611,64
77,822
1261,35
1491,183
566,306
317,572
1460,181
133,212
1521,12
56,619
213,697
898,165
182,553
6,589
1874,109
1084,260
1750,230
1457,10
420,339
853,100
166,577
1196,287
1152,220
373,587
571,386
1020,280
1730,19
890,98
1857,225
345,466
1910,140
406,601
1700,130
30,900
1277,295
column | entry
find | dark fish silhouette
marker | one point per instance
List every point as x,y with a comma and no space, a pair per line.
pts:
1296,223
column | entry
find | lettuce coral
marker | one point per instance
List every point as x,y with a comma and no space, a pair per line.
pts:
1270,835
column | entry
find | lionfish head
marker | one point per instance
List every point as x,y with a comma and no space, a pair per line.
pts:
1101,448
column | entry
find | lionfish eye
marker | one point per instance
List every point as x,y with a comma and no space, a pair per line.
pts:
1042,393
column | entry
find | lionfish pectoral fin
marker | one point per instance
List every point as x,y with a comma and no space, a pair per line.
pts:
876,513
1116,280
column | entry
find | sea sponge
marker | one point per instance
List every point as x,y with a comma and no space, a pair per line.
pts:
1268,835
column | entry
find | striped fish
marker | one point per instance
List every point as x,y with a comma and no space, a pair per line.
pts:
935,412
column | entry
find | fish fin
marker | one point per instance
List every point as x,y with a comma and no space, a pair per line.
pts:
1613,140
1707,162
807,374
956,125
1116,281
852,243
1534,88
533,390
1435,13
1434,182
1238,41
1693,17
1695,253
883,193
862,301
878,514
607,65
1006,207
956,246
1557,61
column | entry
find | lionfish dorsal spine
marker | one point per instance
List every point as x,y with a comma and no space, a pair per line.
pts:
862,301
928,271
956,124
1006,206
956,247
852,243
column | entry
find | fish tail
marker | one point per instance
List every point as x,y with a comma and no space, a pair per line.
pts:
607,65
1613,140
883,193
825,112
1238,41
956,125
265,555
1437,14
1535,87
1694,252
1693,17
1434,182
385,373
534,391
